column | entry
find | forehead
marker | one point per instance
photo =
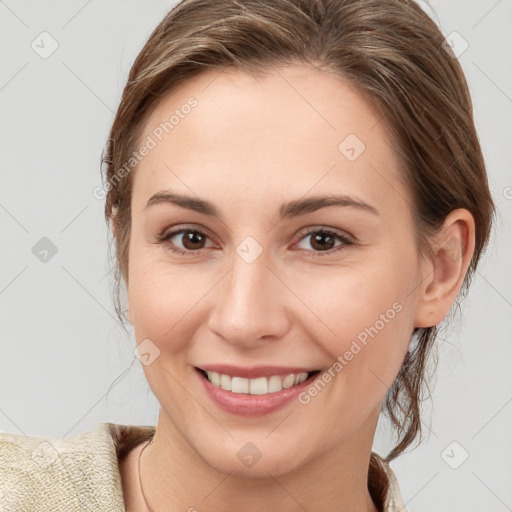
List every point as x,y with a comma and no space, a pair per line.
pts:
295,129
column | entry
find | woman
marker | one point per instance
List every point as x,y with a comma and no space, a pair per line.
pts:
297,196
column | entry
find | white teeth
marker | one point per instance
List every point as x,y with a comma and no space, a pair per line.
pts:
289,381
225,382
259,386
214,377
274,384
239,385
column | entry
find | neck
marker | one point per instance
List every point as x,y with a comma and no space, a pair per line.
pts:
176,478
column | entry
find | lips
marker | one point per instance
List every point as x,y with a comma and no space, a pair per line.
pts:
260,403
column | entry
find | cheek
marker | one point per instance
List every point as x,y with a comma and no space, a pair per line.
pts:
164,298
366,325
365,315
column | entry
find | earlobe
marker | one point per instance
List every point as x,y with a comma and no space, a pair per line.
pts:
113,220
452,250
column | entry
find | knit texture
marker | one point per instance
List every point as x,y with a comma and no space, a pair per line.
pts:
81,473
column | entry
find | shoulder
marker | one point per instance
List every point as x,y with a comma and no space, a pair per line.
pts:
383,485
72,473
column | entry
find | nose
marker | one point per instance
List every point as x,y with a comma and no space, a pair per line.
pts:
252,304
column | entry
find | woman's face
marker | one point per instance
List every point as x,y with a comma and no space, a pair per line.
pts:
259,291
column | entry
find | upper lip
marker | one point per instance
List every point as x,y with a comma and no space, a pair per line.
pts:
255,371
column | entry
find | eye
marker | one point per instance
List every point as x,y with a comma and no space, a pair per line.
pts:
192,239
323,240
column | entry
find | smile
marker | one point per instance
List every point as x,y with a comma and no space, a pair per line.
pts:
254,394
259,386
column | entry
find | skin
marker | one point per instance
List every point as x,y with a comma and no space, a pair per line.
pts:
247,147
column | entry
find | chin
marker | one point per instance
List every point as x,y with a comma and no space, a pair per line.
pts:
248,459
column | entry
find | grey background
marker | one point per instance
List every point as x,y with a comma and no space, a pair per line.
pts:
65,363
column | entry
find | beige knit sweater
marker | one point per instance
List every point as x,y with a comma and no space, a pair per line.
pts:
81,473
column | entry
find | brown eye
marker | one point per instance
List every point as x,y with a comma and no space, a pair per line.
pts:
191,240
323,242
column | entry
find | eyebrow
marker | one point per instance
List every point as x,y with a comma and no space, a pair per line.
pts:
288,210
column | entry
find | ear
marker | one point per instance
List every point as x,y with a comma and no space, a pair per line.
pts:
452,250
113,220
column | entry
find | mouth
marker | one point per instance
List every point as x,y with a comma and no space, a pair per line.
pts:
257,386
251,397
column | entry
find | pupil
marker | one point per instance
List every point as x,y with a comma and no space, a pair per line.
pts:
318,237
192,238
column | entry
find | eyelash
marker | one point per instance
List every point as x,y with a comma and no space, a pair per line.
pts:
164,238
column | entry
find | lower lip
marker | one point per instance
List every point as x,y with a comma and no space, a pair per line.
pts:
244,404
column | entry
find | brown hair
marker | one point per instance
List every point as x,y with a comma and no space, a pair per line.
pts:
391,51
